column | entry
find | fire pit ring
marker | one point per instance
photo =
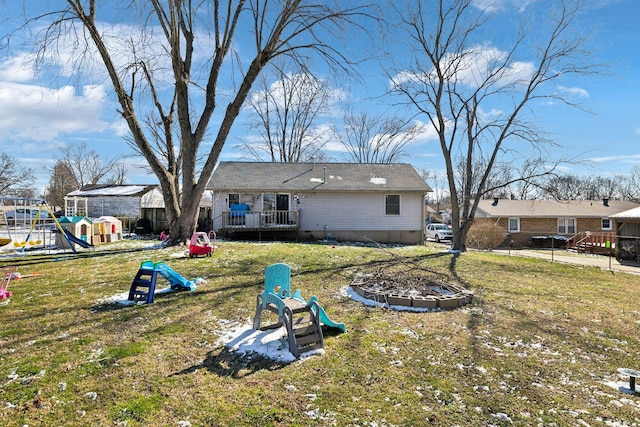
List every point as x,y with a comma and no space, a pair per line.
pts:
414,291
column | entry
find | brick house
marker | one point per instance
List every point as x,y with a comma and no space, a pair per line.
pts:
534,222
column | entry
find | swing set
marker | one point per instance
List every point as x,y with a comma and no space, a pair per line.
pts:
22,213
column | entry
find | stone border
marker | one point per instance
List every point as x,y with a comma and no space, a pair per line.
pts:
454,297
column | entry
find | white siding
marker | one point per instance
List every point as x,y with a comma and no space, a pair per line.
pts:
220,201
152,199
114,206
358,211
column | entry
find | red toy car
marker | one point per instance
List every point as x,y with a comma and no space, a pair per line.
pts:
200,245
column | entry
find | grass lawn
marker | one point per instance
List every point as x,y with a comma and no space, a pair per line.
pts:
539,345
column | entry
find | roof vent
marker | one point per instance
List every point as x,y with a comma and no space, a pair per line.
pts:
605,202
495,201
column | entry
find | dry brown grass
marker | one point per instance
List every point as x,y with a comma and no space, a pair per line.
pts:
536,347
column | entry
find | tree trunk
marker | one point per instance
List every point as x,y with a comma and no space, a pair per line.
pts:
459,240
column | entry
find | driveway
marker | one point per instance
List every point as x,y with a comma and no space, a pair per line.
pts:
598,261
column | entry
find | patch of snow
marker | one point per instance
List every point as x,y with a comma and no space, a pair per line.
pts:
502,416
378,181
621,386
271,344
122,298
350,293
481,369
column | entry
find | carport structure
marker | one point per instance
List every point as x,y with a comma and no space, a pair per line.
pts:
627,230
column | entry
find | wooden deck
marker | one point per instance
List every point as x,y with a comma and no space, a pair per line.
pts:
260,221
592,242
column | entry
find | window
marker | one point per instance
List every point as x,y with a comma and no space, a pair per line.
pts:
514,225
566,225
234,199
392,204
606,224
269,202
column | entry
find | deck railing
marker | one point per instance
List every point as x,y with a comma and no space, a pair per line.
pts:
591,241
255,220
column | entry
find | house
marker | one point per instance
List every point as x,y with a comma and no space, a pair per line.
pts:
129,202
431,215
535,222
320,201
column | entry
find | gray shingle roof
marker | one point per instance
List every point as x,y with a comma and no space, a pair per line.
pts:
257,176
101,190
552,208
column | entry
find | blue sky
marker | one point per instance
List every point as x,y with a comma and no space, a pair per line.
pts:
39,113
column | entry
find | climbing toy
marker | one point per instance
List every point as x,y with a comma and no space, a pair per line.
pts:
144,283
302,319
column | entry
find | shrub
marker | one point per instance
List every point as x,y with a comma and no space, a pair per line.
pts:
485,235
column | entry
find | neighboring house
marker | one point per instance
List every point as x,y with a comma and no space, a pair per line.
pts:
127,201
315,201
430,214
527,221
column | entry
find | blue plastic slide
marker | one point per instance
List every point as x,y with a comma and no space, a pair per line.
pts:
74,239
322,316
143,287
325,320
176,280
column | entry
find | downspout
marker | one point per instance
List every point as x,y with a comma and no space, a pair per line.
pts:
423,239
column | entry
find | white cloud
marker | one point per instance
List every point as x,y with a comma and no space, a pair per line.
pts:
426,132
17,69
500,5
41,114
575,91
634,158
472,68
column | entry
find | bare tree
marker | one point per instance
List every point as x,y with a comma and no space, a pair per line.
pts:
62,181
518,181
437,180
118,175
285,112
86,165
180,69
15,179
375,139
630,185
458,82
574,187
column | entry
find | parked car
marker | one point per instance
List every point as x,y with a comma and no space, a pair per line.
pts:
438,232
25,215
